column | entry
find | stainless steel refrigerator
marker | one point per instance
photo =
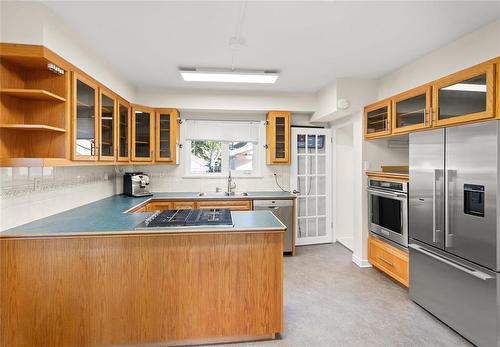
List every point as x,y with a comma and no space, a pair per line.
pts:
453,227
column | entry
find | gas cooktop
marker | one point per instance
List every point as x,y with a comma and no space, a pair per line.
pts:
188,218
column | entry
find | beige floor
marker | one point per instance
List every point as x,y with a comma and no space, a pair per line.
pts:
329,301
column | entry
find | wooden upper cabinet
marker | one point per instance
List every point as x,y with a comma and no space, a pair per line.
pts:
167,134
107,124
278,137
378,119
411,110
142,133
465,96
123,130
85,130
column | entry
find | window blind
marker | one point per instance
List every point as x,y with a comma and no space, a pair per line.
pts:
236,131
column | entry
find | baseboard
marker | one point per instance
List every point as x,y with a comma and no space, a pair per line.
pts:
346,242
360,262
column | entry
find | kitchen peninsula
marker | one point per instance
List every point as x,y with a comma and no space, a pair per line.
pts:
88,277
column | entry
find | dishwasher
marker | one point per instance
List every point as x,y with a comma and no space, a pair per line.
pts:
283,210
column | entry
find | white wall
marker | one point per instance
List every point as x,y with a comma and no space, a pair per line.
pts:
28,194
227,101
469,50
35,24
344,183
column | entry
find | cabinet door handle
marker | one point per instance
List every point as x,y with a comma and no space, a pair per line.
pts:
386,261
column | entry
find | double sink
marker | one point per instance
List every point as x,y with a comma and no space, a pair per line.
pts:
219,194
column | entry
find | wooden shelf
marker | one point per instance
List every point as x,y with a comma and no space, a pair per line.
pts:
36,127
33,94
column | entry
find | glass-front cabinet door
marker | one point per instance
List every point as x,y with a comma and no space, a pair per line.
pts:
278,137
123,131
166,135
411,110
84,118
378,119
142,133
464,96
107,118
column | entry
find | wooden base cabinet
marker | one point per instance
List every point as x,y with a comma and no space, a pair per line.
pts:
160,289
389,259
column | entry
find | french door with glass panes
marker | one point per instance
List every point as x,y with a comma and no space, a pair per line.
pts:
311,177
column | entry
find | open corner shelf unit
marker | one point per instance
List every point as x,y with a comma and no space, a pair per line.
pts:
34,106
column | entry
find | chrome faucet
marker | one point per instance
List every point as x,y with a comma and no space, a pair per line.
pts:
230,184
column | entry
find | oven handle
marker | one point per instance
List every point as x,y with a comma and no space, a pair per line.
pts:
396,196
479,274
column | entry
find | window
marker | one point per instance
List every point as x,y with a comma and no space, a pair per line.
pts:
213,148
241,156
206,157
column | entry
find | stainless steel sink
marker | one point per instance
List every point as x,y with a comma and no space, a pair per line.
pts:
221,194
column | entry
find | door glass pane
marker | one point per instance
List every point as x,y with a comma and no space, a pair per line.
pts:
165,128
322,226
302,227
322,185
463,98
107,125
321,159
142,134
123,136
411,111
321,144
377,120
301,165
311,143
280,137
321,206
311,206
386,213
301,144
311,227
85,119
311,164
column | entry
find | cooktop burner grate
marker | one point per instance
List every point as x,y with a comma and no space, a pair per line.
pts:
196,217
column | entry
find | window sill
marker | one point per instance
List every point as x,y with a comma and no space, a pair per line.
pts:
221,176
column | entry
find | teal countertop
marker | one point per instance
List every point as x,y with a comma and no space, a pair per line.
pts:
107,216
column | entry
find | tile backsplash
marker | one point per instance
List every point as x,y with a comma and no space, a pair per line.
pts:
27,194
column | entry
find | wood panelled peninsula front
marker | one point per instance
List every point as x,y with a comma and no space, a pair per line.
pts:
128,290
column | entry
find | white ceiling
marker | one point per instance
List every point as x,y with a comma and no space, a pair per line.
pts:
310,43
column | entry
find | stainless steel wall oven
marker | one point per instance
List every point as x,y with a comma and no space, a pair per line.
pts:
388,210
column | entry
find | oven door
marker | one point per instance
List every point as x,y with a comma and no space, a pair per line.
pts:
388,215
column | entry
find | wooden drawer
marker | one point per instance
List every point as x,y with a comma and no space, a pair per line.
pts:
183,205
233,205
388,259
159,205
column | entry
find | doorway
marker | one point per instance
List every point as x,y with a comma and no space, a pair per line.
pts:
311,177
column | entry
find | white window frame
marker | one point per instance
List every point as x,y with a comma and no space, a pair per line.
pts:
258,157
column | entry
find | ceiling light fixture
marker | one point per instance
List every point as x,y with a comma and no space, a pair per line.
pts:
229,76
467,87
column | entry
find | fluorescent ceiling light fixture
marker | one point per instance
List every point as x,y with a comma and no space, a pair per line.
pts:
229,76
467,87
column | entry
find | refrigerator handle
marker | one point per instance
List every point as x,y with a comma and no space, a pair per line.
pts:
479,274
434,207
447,220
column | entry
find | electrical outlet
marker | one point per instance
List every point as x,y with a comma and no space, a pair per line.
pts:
37,183
106,177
